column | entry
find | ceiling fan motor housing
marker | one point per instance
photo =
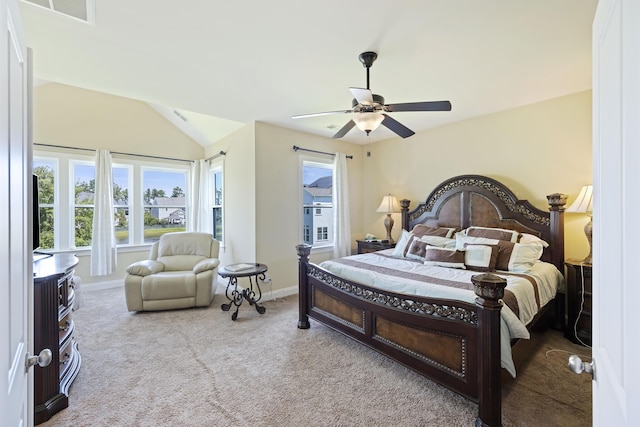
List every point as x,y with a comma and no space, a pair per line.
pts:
378,101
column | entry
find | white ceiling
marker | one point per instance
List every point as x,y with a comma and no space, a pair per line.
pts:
242,61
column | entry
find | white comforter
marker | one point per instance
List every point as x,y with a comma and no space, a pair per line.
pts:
546,275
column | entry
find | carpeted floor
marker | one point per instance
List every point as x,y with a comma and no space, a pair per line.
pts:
197,367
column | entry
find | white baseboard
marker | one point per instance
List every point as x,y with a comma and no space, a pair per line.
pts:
267,294
97,286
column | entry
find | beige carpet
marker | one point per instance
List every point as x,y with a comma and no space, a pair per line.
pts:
197,367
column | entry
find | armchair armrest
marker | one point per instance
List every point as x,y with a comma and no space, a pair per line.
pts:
145,268
206,264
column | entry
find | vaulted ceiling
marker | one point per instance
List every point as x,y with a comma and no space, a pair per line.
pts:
222,64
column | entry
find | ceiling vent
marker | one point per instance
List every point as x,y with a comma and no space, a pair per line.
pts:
78,9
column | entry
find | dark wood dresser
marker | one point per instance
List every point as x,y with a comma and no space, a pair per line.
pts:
578,301
54,329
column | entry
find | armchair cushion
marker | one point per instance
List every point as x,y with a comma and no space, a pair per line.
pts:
145,268
206,264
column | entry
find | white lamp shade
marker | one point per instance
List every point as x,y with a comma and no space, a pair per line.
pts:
584,201
389,204
367,122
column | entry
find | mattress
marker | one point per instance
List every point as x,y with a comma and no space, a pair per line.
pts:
525,294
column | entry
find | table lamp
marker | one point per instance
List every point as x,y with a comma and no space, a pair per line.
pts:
584,204
389,205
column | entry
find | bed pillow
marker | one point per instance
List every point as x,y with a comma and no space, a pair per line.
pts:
425,230
493,233
444,257
481,257
530,238
401,245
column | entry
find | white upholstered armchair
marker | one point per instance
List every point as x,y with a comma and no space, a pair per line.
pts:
181,272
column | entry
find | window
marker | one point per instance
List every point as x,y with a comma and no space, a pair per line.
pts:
149,199
323,234
46,171
164,203
317,200
121,184
216,180
84,179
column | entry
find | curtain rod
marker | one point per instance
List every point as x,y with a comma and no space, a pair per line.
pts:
215,156
115,152
296,148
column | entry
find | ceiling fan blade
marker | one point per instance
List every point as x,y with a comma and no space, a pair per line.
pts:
346,128
397,127
363,96
420,106
299,116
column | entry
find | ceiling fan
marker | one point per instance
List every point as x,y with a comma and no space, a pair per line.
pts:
370,109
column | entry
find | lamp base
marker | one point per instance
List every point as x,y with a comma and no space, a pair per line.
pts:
588,231
388,224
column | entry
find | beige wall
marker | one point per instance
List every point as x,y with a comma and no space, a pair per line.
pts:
75,117
239,180
536,150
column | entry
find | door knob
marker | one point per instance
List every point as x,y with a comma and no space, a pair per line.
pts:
43,359
577,366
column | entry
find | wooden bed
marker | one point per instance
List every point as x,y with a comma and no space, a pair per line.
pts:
456,344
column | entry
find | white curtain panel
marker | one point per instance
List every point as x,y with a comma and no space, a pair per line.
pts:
341,223
103,237
200,198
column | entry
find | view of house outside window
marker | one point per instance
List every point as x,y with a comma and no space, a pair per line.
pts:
317,186
164,203
66,189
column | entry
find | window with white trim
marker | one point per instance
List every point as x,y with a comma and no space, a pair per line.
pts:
317,202
149,199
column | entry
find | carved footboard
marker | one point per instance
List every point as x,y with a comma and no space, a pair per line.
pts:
454,343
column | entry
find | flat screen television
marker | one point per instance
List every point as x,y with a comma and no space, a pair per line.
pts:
36,215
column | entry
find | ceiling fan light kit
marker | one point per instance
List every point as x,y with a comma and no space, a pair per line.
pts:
368,122
370,109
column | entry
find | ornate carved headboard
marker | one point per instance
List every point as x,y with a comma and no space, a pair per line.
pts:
477,200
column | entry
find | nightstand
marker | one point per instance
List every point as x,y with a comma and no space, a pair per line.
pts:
366,246
578,278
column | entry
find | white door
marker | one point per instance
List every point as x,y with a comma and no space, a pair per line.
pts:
616,214
16,277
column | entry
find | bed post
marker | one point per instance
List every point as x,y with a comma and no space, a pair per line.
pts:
303,285
557,202
489,289
404,213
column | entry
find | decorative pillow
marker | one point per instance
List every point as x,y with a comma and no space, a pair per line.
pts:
480,257
493,233
406,239
444,257
530,238
425,230
417,245
417,249
518,257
